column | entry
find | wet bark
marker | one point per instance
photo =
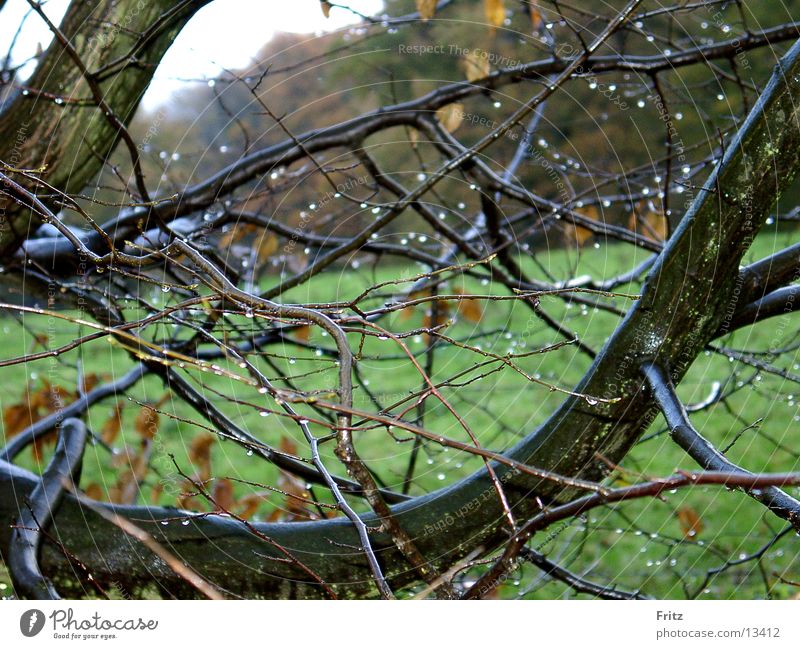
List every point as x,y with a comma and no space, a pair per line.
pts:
54,122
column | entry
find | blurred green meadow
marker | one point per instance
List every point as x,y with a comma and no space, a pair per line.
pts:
662,547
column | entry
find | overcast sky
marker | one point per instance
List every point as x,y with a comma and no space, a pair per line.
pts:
225,33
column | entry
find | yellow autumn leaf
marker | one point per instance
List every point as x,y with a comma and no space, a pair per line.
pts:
690,522
536,16
583,234
451,116
426,8
126,491
94,491
470,309
222,493
235,234
303,333
435,317
648,221
267,245
249,504
476,66
147,422
113,425
200,454
495,12
576,234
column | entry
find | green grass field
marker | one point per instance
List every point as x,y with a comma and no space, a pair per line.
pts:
640,545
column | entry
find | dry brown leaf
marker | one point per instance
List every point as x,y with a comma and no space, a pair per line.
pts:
303,333
590,211
50,398
235,234
690,522
33,406
472,310
582,235
476,66
187,498
248,505
228,238
16,418
648,221
155,492
435,317
126,490
223,494
294,507
113,425
536,16
287,445
406,313
147,422
426,8
442,314
200,454
267,245
326,8
90,381
495,12
451,116
43,340
94,491
576,235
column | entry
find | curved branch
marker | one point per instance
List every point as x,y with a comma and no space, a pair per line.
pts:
781,301
576,582
36,430
184,391
38,509
770,273
703,452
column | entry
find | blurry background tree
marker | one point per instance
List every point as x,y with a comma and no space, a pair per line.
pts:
426,285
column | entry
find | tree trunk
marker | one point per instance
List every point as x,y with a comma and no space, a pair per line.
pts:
54,123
